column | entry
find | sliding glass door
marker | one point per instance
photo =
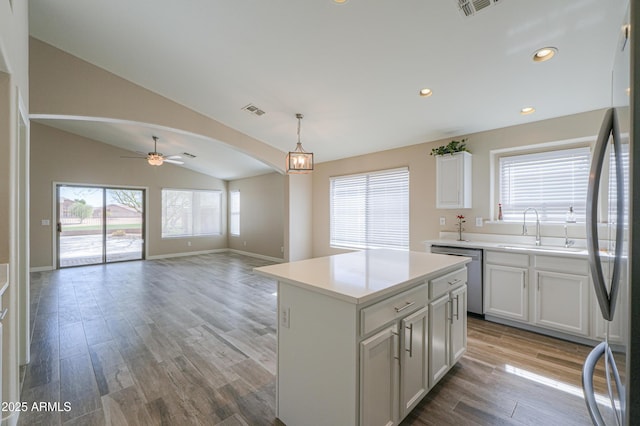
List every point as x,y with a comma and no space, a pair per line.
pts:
99,225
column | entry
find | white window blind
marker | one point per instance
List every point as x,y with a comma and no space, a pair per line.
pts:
234,213
191,213
370,210
550,182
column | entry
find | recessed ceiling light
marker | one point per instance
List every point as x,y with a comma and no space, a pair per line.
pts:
340,1
544,54
527,110
426,92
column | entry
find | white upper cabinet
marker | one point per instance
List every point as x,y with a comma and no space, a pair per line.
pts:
453,181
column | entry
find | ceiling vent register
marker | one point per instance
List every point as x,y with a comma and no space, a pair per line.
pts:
253,110
471,7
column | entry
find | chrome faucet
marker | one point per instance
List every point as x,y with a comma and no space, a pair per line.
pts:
567,241
524,224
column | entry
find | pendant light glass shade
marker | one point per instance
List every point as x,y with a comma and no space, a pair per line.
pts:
299,161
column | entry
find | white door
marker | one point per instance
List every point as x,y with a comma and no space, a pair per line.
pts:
414,367
506,292
379,379
563,302
439,325
458,323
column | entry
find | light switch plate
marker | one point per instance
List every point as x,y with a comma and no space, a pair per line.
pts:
443,221
479,222
45,222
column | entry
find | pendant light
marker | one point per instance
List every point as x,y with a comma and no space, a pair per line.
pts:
299,161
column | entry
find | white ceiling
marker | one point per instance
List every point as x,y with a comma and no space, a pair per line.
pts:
354,70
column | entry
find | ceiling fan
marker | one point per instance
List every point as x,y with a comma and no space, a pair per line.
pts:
156,158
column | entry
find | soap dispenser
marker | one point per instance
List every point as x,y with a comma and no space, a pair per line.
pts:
571,216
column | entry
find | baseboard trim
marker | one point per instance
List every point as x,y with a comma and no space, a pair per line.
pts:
187,253
257,256
557,334
41,268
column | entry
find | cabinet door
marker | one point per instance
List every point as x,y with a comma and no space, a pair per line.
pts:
506,292
439,326
458,323
453,181
562,302
379,378
414,366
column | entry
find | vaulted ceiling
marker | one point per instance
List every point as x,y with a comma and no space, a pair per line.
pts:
353,69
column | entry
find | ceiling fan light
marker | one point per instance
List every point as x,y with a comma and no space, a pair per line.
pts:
155,160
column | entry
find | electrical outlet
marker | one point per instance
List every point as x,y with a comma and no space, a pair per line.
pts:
188,243
285,314
45,222
479,222
443,221
244,243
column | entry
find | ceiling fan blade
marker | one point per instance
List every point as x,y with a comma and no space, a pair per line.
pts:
166,160
122,156
172,157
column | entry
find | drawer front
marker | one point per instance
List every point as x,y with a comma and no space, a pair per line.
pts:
566,265
445,283
395,307
507,259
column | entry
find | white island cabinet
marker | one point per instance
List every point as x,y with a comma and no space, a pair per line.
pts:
354,337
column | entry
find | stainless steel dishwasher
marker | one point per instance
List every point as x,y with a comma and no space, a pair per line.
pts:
475,289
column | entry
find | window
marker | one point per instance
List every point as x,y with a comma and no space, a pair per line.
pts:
548,181
191,213
234,213
370,210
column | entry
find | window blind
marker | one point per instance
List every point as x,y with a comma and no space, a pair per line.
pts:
234,213
191,212
550,182
370,210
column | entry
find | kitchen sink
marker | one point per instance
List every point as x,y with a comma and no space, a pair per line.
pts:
546,249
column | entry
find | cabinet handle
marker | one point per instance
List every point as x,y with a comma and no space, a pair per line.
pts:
451,310
4,313
457,307
395,347
456,281
407,304
524,281
410,350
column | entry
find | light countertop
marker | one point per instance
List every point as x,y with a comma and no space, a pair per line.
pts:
507,246
363,276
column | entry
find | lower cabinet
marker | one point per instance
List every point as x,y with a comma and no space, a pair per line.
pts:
458,333
562,302
400,363
379,378
448,332
506,292
414,365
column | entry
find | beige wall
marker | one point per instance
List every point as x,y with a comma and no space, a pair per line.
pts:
261,215
58,156
424,217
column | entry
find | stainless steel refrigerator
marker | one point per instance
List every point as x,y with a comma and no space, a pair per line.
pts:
613,235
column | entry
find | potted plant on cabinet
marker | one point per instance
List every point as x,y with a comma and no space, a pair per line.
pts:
451,148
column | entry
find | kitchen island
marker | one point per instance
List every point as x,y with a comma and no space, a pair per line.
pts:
363,336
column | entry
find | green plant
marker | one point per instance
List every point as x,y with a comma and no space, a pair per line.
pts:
450,148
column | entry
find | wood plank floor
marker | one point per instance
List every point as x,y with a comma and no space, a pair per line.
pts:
192,341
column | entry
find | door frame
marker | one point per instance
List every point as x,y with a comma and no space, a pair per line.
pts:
55,212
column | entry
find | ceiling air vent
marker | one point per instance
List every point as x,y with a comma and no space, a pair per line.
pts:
253,109
471,7
186,154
